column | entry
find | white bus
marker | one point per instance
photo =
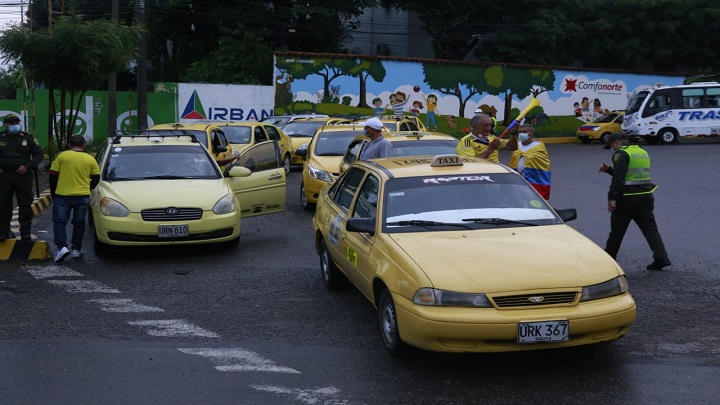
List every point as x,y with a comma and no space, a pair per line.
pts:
664,114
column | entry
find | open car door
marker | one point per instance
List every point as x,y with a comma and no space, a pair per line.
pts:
263,191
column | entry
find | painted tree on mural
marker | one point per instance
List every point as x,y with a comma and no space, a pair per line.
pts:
508,82
367,68
462,82
328,69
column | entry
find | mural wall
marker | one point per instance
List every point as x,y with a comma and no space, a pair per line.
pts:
443,91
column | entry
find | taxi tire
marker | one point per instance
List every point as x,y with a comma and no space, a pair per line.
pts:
286,163
304,201
331,276
387,319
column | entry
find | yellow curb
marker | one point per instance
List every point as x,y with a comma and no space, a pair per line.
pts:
14,249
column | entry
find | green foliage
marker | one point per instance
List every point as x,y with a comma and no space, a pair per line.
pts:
10,81
75,56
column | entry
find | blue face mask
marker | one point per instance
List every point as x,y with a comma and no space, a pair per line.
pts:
523,136
14,129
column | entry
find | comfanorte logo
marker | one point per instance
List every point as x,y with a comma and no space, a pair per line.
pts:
194,108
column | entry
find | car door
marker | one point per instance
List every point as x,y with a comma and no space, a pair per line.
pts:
219,145
263,191
358,245
352,153
275,135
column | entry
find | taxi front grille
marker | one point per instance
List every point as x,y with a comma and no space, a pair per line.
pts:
171,214
533,300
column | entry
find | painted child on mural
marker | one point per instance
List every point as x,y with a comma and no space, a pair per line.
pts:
400,102
431,119
416,107
378,108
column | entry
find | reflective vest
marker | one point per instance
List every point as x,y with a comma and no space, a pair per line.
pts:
638,172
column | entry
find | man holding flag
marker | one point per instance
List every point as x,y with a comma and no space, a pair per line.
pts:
481,143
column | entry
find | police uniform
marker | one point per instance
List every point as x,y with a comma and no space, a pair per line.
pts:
632,191
18,149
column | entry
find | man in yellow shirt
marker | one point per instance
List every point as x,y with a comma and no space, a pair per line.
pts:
480,142
72,175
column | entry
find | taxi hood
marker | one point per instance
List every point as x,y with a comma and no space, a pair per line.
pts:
140,195
508,259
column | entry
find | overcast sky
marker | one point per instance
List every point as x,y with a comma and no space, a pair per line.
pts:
10,11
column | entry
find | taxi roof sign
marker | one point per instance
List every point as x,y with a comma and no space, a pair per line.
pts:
446,160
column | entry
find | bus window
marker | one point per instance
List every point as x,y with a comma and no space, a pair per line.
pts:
713,97
692,98
660,101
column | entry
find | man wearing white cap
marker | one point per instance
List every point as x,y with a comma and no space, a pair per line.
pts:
378,147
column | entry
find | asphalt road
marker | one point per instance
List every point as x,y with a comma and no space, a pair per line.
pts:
254,325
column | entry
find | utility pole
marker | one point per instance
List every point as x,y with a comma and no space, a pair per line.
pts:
112,81
142,69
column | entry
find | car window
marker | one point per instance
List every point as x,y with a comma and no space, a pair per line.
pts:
333,143
158,162
272,133
366,204
218,139
102,151
301,129
391,126
418,147
346,192
260,135
238,135
408,126
450,199
259,157
353,152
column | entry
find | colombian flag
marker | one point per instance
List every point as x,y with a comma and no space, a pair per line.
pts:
537,167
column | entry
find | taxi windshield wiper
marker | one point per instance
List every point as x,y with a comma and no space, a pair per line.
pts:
497,221
418,222
165,177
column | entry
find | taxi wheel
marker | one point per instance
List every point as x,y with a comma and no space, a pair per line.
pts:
286,164
605,137
332,279
387,317
303,199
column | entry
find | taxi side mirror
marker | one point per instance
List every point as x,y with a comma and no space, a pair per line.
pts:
302,152
366,225
567,214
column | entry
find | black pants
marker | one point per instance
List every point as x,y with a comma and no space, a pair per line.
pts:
638,208
20,185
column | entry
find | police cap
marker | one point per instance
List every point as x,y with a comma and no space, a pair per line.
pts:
11,118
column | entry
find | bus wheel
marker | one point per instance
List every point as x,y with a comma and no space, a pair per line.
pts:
651,140
667,136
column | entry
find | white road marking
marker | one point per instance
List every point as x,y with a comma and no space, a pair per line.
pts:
43,272
124,305
173,328
84,286
227,360
324,396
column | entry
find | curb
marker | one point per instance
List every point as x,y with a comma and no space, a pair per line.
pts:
34,249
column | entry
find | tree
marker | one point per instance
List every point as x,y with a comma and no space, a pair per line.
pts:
10,81
364,69
521,83
73,57
449,79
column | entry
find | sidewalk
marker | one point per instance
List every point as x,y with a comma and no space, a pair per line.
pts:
33,249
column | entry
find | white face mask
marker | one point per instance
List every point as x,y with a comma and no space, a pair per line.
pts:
523,136
14,129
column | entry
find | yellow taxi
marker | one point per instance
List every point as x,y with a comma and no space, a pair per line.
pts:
243,134
321,159
207,133
601,128
407,143
301,131
166,189
394,123
460,254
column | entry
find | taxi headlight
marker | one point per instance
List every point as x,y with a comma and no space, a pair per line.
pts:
441,298
616,286
224,205
321,175
112,208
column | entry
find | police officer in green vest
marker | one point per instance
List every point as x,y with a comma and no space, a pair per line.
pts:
19,154
630,198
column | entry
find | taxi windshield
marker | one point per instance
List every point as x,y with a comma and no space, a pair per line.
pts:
166,162
334,143
479,201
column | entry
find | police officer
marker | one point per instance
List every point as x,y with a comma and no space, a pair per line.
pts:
630,198
19,154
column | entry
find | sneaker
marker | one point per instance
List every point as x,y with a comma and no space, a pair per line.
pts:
25,237
61,254
658,265
77,253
